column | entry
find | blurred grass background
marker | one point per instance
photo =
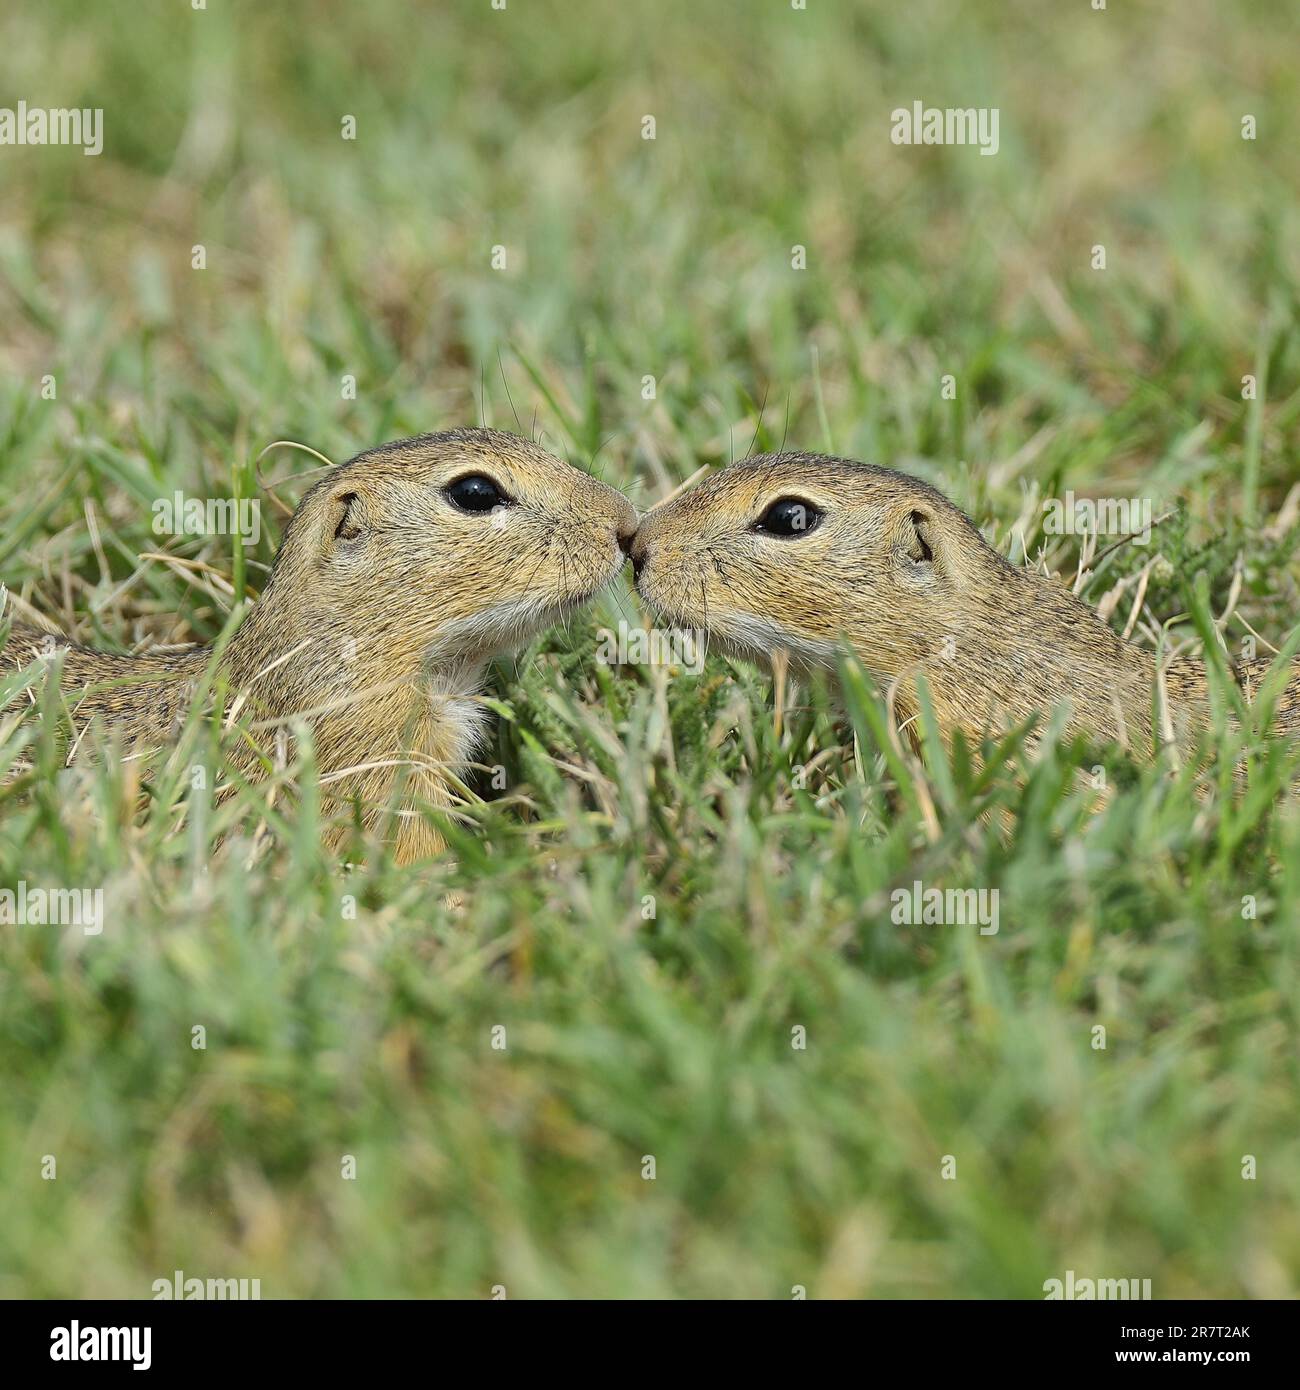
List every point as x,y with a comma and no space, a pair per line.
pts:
670,258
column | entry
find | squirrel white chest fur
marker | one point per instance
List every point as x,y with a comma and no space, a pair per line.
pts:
456,716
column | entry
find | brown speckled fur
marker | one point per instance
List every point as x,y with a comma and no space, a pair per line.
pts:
384,606
904,575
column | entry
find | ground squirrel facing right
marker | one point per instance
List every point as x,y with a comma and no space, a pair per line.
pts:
795,551
402,574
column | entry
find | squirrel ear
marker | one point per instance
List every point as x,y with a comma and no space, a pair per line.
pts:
346,516
921,537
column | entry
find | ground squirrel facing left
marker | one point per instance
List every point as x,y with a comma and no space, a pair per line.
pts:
401,574
800,551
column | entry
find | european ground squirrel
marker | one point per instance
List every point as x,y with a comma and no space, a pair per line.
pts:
402,573
793,551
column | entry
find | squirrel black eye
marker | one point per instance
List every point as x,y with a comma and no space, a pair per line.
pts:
475,493
789,517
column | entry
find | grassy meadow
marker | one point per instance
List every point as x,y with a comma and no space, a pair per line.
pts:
676,901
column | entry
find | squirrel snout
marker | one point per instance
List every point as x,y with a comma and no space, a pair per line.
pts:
624,523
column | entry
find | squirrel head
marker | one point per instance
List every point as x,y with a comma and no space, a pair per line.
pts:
798,550
448,547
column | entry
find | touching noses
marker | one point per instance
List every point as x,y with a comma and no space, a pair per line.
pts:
625,525
635,549
637,541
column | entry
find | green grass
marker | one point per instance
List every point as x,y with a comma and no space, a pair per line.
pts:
334,1032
